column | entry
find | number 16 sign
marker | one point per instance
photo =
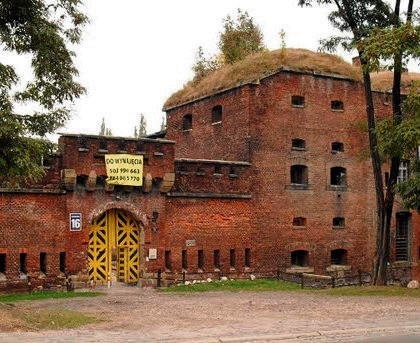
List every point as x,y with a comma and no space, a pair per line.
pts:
75,221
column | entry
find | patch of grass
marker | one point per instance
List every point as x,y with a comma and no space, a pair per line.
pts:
55,319
258,285
388,291
45,295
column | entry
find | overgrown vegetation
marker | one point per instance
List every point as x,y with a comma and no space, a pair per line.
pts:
44,31
8,298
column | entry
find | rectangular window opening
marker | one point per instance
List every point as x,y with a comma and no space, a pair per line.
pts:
184,259
247,257
298,101
200,262
168,263
216,259
2,263
43,262
62,262
232,258
23,257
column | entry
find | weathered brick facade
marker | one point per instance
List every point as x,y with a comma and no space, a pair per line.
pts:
235,206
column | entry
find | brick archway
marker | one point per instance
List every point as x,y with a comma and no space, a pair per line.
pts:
138,215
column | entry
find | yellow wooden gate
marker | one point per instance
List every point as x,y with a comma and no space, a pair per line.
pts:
114,248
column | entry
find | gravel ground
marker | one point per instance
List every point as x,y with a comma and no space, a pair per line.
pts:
133,314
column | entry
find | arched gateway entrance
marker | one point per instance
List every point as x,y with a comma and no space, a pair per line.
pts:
114,247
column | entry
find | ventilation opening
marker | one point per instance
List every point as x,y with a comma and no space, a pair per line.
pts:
232,172
339,257
299,221
168,263
81,181
338,176
23,257
83,144
218,169
247,257
232,258
298,101
122,145
216,114
62,262
299,175
337,105
337,147
184,259
298,144
187,122
200,261
339,222
216,259
43,262
2,263
300,258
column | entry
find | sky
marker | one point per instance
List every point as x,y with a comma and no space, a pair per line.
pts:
135,54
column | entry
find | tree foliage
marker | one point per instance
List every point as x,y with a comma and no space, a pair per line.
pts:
104,131
141,129
239,38
42,30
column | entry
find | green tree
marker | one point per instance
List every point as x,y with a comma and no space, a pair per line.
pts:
43,31
377,31
108,132
204,65
240,37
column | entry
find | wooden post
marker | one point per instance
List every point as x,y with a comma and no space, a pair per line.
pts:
183,277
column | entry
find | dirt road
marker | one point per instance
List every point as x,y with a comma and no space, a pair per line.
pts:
132,314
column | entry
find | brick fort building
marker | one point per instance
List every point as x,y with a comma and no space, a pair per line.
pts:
260,171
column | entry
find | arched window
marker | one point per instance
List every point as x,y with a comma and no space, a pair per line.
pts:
299,258
337,147
187,122
337,105
299,221
338,176
299,174
216,114
339,257
298,144
339,222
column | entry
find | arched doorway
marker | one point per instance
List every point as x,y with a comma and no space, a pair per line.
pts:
114,247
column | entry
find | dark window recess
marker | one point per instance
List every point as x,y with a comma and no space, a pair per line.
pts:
168,262
122,145
187,122
103,145
216,114
300,258
337,147
298,143
339,222
200,171
184,259
337,105
101,181
180,168
233,172
232,258
200,260
218,169
299,174
140,146
81,181
298,101
299,221
23,258
402,236
386,177
43,262
62,262
338,176
83,143
339,256
216,259
2,263
247,257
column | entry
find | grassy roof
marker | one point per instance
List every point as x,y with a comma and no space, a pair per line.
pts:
257,66
382,81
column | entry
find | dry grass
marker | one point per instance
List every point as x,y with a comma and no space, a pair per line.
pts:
257,66
382,81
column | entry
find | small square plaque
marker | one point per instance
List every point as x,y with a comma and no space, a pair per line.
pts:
152,254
